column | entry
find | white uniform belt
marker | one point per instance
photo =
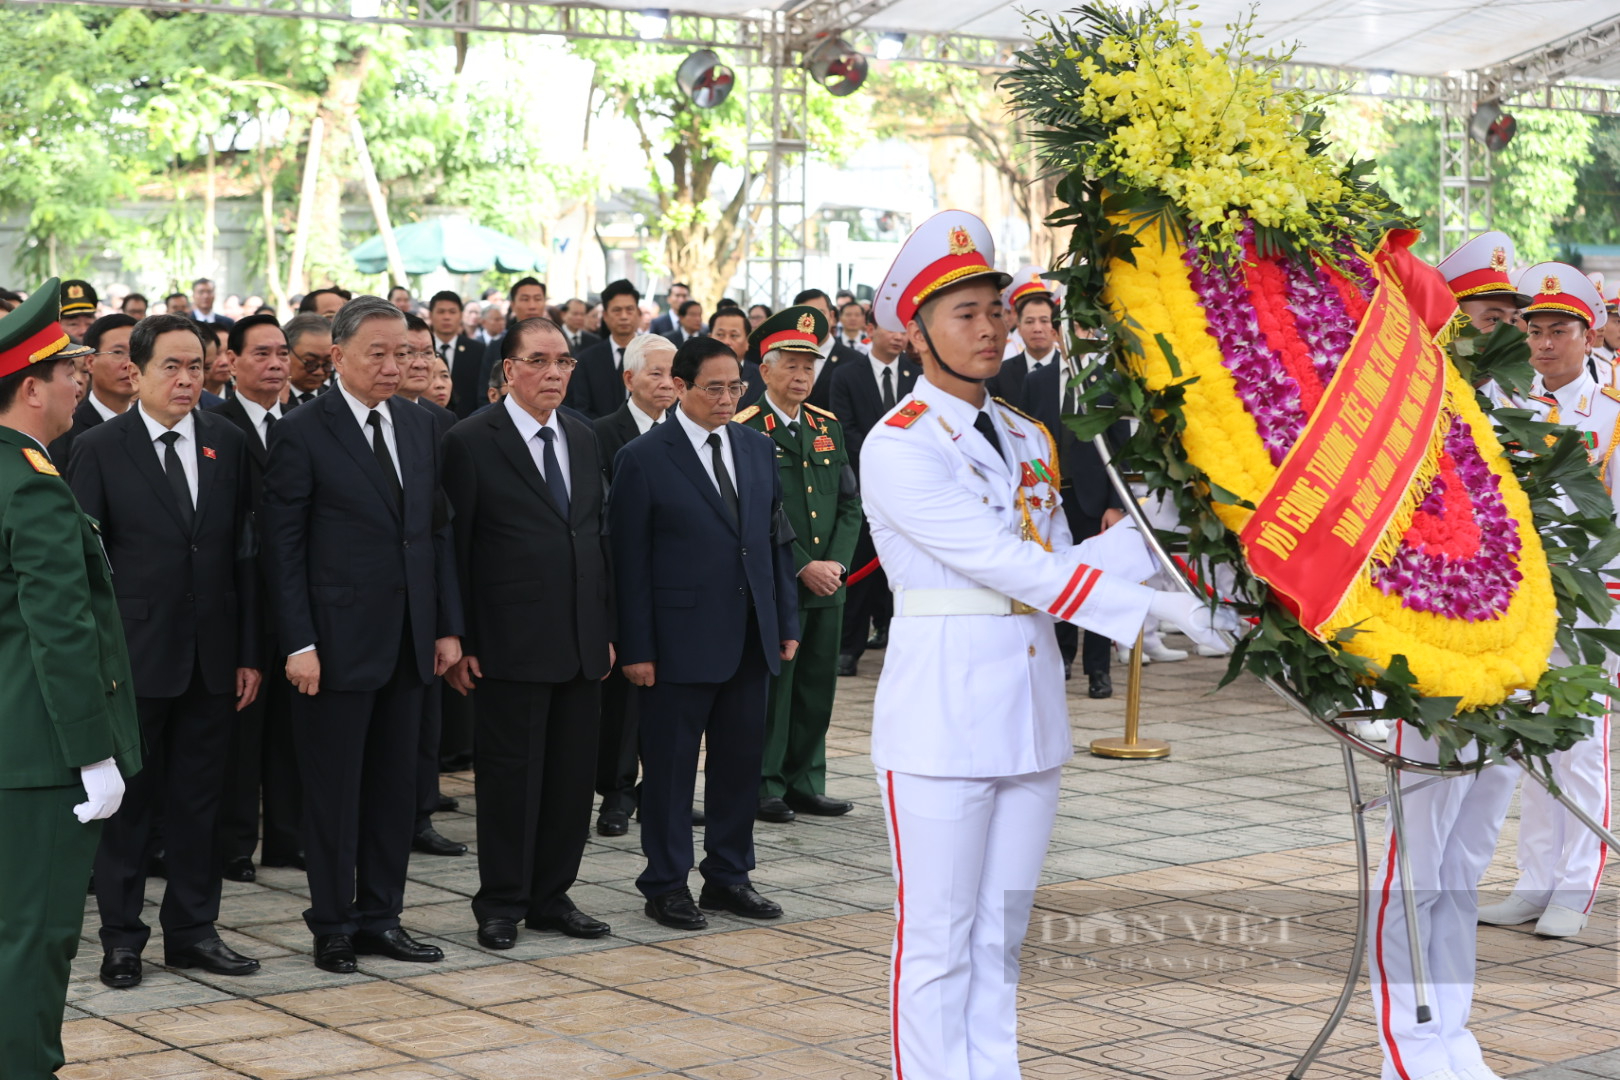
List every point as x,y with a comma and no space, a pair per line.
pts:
956,602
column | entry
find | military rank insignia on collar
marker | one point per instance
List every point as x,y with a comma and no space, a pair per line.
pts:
39,461
770,421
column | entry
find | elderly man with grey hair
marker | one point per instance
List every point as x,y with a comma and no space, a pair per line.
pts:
357,538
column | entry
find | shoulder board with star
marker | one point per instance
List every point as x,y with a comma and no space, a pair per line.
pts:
40,463
1611,392
907,414
820,411
746,415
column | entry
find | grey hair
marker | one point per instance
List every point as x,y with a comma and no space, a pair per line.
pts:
306,323
636,354
346,323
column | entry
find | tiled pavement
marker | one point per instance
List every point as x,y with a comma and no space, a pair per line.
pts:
1229,864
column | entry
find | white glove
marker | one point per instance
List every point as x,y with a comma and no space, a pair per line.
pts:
104,788
1193,617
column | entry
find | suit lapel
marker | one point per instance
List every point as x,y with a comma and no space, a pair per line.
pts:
580,445
144,455
341,422
238,416
511,444
207,466
415,457
685,456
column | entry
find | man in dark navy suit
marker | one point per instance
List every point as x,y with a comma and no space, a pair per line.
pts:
112,382
835,351
368,611
597,388
460,353
169,486
707,601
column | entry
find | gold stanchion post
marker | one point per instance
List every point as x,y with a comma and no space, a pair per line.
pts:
1131,746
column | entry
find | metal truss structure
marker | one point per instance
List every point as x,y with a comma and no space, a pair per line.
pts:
776,215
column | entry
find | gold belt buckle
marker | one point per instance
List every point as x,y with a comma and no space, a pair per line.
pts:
1021,608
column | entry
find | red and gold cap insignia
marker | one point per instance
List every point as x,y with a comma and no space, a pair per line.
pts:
1551,284
807,323
961,243
1499,258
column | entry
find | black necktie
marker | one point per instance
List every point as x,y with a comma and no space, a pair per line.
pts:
269,422
618,357
1069,402
177,478
384,458
888,388
554,475
306,397
728,494
987,427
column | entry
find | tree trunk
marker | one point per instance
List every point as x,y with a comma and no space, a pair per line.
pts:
274,293
338,106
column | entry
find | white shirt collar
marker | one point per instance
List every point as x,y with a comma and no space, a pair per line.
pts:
1037,361
105,411
187,427
255,411
879,367
644,420
777,409
360,411
696,432
527,425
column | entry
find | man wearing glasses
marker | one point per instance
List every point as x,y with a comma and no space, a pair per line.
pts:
112,381
707,607
526,487
309,340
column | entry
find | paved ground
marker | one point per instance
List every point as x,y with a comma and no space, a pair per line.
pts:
1194,922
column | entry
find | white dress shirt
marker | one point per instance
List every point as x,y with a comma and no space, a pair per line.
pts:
446,351
358,408
879,367
700,442
185,446
1036,363
644,422
780,415
256,414
529,430
105,411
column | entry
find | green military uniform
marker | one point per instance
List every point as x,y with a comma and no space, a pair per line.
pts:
65,702
820,498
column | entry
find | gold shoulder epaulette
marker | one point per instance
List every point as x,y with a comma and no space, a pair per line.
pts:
907,414
39,461
746,415
1611,392
828,413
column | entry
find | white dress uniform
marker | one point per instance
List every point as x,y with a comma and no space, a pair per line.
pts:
970,725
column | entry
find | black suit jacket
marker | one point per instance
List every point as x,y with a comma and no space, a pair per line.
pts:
612,432
858,403
349,565
257,456
597,386
677,336
187,596
535,584
586,340
468,375
85,417
662,324
443,418
686,571
839,354
1086,489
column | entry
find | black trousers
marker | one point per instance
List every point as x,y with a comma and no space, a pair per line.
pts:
616,760
427,754
534,754
357,755
456,727
675,717
262,765
869,601
1095,650
185,741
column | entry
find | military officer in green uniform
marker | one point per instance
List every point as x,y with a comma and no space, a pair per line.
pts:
68,734
821,501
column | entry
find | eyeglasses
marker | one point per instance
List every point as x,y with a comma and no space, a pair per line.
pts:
542,363
716,391
315,363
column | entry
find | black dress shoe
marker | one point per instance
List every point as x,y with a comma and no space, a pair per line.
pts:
335,953
820,805
879,640
1101,685
121,968
295,861
739,900
447,804
239,869
455,763
676,911
497,933
1068,670
155,867
573,923
774,810
213,956
396,944
613,823
846,665
429,842
698,817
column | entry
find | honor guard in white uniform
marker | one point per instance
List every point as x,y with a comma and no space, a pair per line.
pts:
970,725
1607,350
1451,824
1560,861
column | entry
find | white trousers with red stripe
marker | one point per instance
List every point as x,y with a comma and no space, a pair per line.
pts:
1451,832
967,858
1560,860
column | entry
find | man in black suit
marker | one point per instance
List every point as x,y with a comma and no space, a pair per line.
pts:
202,306
261,754
112,382
358,538
526,299
309,346
862,394
730,325
579,338
704,575
664,325
460,353
647,364
597,387
1036,314
170,489
834,351
527,487
1090,502
688,322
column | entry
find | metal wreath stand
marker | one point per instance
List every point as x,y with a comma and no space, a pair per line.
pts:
1349,745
